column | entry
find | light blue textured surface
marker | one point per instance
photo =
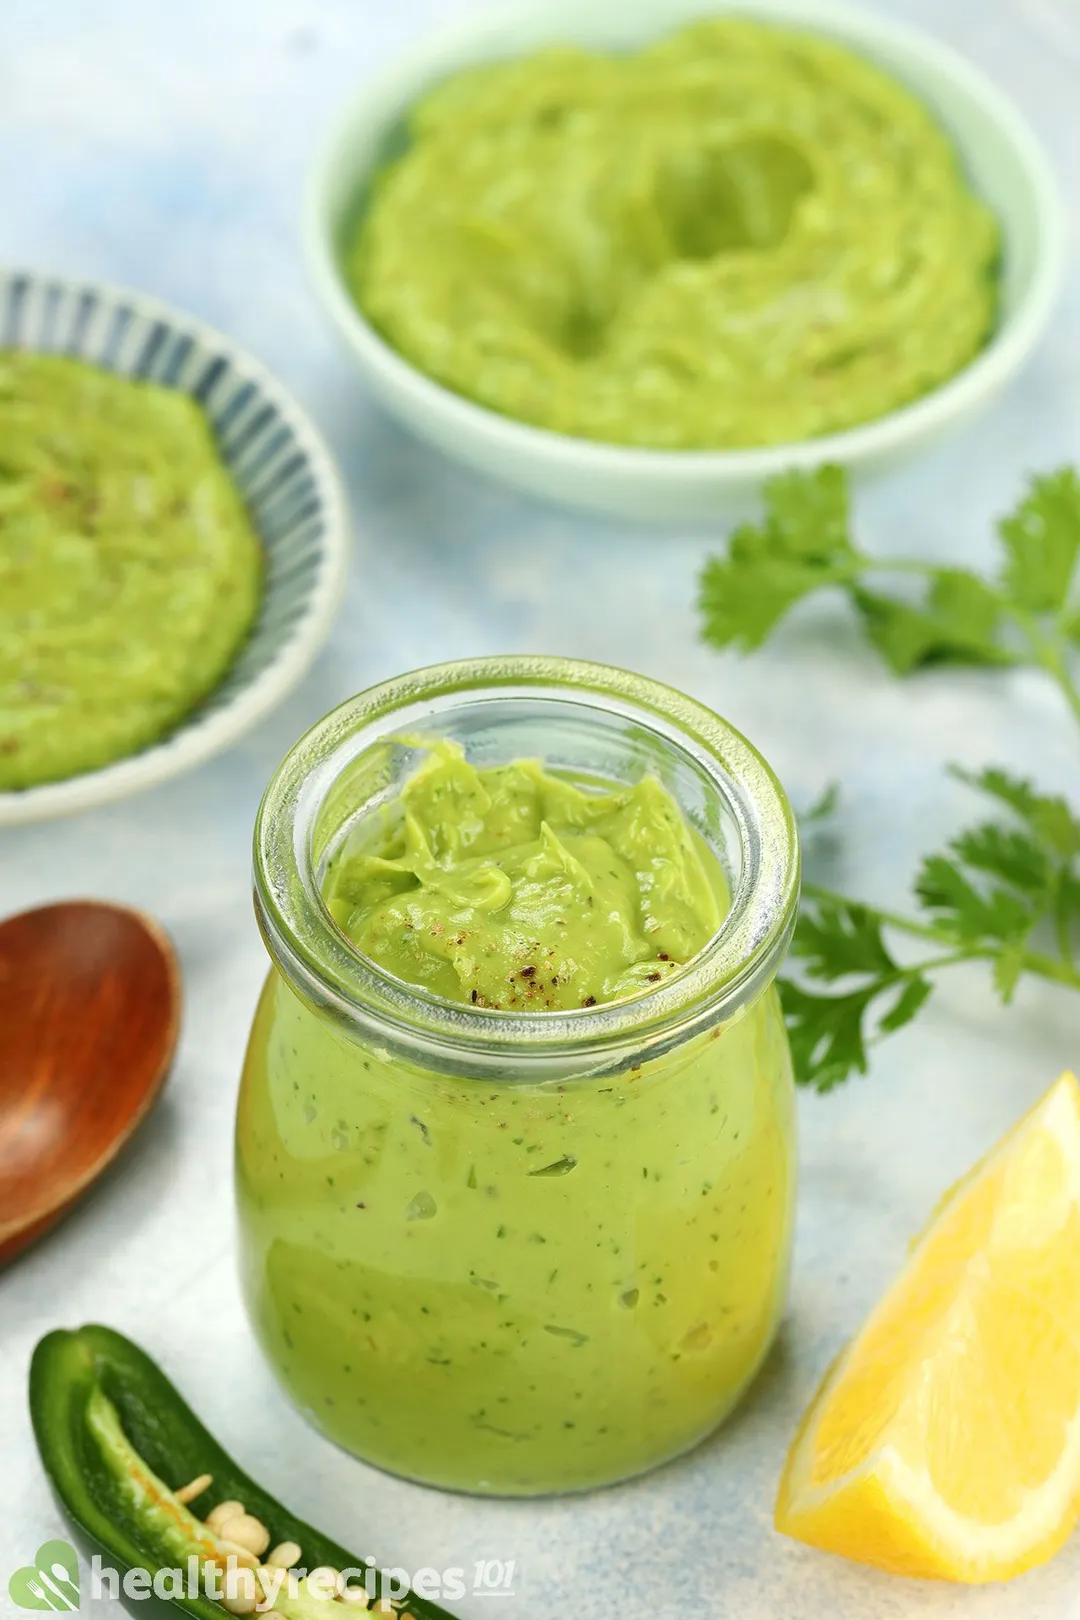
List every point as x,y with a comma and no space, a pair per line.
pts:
165,146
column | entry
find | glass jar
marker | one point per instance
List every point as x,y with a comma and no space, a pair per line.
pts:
518,1253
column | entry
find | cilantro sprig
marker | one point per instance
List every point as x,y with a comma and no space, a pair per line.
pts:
1026,614
1006,890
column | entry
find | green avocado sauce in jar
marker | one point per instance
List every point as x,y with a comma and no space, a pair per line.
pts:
739,235
515,1139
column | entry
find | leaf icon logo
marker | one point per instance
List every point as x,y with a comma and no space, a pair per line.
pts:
50,1582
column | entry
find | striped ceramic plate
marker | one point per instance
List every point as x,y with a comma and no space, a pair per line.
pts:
281,467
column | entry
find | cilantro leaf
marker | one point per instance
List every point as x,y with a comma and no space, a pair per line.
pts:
1042,541
825,1034
801,545
969,914
841,939
1005,852
804,543
986,894
1008,967
1048,815
1005,890
823,808
809,512
828,1033
959,622
1013,791
836,938
1057,826
996,883
908,1004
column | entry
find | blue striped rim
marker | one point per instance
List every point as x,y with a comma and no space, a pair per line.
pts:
238,402
77,336
237,440
218,368
13,306
280,486
269,464
169,372
144,366
122,318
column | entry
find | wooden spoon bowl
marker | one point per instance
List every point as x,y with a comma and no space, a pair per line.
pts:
89,1015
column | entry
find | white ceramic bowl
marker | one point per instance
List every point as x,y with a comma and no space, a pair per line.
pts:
278,462
1002,157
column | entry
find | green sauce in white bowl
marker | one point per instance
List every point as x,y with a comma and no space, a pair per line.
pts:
999,159
739,235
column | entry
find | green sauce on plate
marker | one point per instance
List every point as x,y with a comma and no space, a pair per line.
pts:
130,574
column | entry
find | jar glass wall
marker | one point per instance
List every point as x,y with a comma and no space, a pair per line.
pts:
506,1252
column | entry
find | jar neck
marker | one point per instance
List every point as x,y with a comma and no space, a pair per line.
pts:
577,717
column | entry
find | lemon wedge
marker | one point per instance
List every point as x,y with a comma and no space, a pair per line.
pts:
945,1441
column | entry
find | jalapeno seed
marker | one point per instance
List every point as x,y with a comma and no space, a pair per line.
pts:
188,1493
246,1531
323,1582
242,1594
284,1555
224,1510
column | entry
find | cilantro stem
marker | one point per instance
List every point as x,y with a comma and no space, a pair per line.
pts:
963,953
1048,652
1048,967
891,919
1063,920
1054,664
1042,965
898,565
1035,962
996,885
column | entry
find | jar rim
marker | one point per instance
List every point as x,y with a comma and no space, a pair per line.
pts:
328,970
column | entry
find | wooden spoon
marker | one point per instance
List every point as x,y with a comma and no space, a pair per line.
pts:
89,1013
